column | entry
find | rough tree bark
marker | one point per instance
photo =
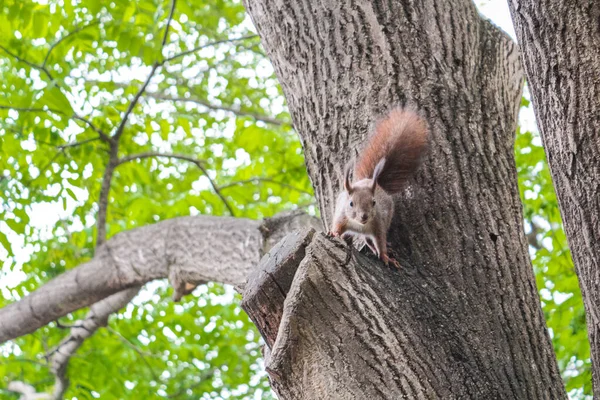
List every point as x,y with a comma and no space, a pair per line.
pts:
185,250
561,52
462,319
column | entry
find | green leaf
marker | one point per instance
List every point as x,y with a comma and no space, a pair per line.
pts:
55,99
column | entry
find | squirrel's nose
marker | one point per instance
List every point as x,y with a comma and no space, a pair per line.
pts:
364,218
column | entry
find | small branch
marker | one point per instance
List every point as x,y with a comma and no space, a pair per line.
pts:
211,106
32,65
216,189
183,391
45,167
99,131
269,180
168,23
198,163
103,136
195,49
113,161
80,331
59,41
156,154
141,353
77,144
26,391
133,103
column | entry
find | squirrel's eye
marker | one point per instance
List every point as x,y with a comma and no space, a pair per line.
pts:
373,201
351,204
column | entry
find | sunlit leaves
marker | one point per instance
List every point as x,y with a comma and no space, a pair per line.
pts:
555,273
74,64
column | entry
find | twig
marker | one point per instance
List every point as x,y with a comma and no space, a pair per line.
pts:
133,103
234,110
195,49
95,318
198,163
168,23
76,144
269,180
32,65
99,131
156,154
202,380
137,350
59,41
45,167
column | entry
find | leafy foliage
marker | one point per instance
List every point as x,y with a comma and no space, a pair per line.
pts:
555,272
71,70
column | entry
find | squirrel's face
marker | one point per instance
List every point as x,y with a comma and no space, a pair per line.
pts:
361,205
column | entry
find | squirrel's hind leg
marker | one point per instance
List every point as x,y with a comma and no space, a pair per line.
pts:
371,246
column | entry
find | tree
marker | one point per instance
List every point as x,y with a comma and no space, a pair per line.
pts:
560,52
468,183
421,331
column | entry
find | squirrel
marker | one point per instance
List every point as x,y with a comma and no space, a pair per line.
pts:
392,154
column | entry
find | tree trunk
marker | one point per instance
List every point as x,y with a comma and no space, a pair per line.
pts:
462,318
561,52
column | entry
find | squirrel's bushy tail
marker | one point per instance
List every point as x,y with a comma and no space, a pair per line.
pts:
400,138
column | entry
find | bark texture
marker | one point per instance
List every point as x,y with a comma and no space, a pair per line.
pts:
561,53
187,250
462,319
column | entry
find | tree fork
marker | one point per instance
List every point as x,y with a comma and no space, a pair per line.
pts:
462,319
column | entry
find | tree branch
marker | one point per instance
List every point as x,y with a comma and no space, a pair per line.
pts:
133,103
97,317
75,116
32,65
195,49
151,154
137,350
198,163
204,103
59,41
211,106
104,193
269,180
26,391
168,23
185,250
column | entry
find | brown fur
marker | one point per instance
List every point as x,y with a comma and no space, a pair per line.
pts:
400,138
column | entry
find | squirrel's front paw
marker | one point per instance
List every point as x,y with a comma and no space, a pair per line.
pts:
387,260
333,234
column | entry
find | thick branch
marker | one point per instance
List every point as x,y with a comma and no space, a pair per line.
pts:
185,250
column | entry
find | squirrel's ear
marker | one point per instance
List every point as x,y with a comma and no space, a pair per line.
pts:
378,170
347,182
